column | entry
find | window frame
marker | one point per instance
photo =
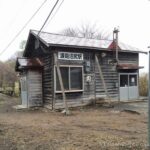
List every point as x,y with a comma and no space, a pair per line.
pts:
69,66
128,74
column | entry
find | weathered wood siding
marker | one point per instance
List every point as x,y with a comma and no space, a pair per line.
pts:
110,76
34,82
88,88
48,79
95,87
131,58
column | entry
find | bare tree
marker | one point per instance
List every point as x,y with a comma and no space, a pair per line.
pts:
22,44
70,32
87,31
7,73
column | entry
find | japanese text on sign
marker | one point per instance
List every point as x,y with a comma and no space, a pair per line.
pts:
70,56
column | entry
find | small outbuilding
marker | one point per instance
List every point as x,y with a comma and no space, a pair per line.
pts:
57,70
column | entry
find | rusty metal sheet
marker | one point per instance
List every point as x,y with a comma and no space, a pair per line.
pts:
129,66
28,63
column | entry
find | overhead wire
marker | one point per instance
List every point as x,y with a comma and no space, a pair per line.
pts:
48,17
12,21
22,28
54,13
16,14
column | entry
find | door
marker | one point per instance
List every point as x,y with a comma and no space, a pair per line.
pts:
133,87
24,96
128,86
123,87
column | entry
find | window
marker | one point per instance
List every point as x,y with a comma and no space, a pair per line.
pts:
128,80
133,80
65,77
72,77
76,78
123,80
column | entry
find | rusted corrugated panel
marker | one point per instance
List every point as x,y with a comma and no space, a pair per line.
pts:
129,66
25,62
28,63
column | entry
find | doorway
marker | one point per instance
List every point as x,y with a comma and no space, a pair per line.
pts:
128,86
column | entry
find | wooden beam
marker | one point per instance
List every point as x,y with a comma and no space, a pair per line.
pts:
102,78
61,83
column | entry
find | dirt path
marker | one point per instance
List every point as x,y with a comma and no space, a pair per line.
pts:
91,128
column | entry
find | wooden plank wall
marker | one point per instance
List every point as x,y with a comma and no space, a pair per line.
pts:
34,88
48,79
110,76
89,88
131,58
128,58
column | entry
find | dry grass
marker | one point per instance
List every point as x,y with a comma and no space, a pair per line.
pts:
143,84
91,128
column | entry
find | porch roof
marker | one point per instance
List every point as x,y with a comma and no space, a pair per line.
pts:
26,63
129,66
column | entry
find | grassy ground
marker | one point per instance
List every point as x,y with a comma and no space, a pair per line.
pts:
90,128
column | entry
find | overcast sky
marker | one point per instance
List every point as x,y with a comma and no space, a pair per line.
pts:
132,17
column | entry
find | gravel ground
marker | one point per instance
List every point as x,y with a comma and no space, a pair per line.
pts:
87,128
140,107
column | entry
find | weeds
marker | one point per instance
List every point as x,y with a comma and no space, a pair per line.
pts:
143,85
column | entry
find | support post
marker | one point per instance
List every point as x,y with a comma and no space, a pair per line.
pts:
102,78
61,85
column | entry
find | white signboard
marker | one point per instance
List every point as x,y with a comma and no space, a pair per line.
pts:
70,56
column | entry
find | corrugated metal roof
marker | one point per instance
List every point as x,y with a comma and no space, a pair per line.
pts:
58,39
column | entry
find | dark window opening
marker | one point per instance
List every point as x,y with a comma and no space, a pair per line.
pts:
76,78
71,77
65,78
123,80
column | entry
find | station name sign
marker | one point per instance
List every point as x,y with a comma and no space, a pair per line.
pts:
70,56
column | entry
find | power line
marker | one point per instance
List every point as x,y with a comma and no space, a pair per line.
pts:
55,12
12,21
48,17
22,28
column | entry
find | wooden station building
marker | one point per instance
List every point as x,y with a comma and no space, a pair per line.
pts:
55,67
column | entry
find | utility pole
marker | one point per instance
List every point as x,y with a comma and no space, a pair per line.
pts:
115,40
149,104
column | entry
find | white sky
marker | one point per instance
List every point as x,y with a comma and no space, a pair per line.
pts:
132,16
